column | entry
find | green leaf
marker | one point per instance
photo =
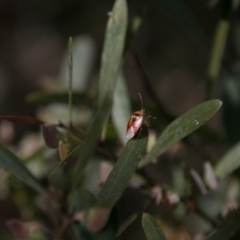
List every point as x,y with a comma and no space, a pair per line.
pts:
112,53
111,59
121,110
73,153
181,127
87,147
13,164
39,98
123,170
228,228
84,50
229,162
219,44
70,69
126,223
113,49
182,14
151,228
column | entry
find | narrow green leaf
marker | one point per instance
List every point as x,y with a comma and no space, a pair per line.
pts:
183,15
123,170
218,49
151,228
13,164
73,153
229,162
87,147
218,46
70,69
181,127
84,51
228,228
111,59
112,53
126,223
113,49
121,110
39,98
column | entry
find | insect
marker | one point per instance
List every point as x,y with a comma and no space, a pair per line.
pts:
136,121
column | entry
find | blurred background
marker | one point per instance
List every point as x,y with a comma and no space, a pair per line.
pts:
168,61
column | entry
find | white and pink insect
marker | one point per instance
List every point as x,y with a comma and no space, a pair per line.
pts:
135,122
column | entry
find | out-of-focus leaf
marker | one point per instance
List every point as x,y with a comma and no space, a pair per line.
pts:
113,49
212,203
182,14
209,176
97,218
73,153
111,59
52,113
50,135
126,223
112,53
198,180
123,170
70,79
228,228
13,164
121,109
60,180
229,162
86,149
218,46
178,178
63,150
40,98
80,200
83,58
181,127
151,228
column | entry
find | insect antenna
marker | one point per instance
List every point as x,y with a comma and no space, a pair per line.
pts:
141,100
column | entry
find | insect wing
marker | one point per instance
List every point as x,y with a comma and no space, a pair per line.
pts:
130,132
133,126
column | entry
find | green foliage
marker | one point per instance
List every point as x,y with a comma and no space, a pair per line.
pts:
14,165
123,170
229,162
181,127
151,228
86,189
